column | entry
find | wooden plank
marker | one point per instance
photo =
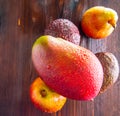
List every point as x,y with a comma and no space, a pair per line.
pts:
21,22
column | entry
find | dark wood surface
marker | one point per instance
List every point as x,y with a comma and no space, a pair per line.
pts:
21,22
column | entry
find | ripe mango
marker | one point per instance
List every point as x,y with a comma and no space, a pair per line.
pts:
70,70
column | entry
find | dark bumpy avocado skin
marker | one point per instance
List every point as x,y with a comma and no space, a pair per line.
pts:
65,29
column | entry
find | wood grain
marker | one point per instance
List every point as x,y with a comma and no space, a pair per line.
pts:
21,22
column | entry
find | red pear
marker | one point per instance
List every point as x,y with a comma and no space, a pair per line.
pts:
70,70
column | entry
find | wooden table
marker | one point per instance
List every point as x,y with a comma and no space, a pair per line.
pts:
21,22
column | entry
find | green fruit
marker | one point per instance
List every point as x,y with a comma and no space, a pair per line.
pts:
70,70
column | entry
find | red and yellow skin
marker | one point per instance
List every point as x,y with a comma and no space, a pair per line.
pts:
99,22
72,71
44,98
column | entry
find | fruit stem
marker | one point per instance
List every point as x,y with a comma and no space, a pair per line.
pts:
112,23
43,93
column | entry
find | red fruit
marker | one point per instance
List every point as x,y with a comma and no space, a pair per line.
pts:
65,29
69,69
44,98
99,22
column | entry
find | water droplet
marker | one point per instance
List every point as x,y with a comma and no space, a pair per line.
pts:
48,66
92,100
